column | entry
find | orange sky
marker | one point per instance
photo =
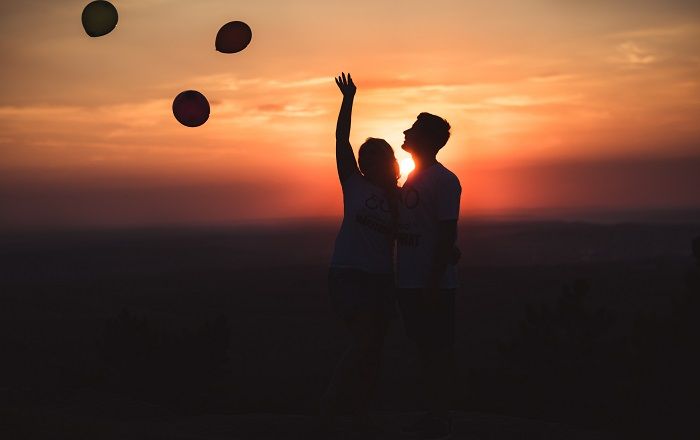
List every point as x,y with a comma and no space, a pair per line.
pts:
553,104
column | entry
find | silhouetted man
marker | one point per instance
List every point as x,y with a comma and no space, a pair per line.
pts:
426,279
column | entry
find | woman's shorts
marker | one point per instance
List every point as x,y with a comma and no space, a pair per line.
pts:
355,291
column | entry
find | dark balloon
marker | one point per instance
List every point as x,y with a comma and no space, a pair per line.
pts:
233,37
99,18
191,108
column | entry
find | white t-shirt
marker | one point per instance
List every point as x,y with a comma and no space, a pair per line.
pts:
428,197
365,240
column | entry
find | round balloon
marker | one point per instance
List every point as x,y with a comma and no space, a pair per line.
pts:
233,37
191,108
99,18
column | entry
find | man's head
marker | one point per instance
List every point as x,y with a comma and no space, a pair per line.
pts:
427,135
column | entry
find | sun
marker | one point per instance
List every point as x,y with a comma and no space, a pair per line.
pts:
406,166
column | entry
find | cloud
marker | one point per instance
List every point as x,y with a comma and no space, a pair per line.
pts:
631,54
229,82
681,31
525,100
553,77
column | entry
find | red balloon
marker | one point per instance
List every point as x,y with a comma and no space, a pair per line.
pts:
233,37
191,108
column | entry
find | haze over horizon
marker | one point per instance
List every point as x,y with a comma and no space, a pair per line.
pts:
555,106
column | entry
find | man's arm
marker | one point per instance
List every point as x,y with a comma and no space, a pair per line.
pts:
447,205
444,252
344,156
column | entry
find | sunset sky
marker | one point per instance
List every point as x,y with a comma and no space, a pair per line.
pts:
555,105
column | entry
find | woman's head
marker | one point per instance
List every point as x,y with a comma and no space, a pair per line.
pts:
378,163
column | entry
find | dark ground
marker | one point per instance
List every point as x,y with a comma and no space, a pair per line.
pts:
570,329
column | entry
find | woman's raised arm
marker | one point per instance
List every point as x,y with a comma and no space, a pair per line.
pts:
344,156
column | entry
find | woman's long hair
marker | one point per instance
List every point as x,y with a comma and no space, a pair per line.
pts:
375,149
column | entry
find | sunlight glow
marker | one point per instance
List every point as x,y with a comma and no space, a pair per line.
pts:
406,166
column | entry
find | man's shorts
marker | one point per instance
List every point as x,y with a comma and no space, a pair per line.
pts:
355,291
429,325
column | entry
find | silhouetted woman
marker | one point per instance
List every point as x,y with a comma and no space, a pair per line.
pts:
361,276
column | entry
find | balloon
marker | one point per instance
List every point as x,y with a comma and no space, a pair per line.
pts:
99,18
233,37
191,108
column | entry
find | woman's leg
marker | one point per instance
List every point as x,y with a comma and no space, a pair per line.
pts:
355,376
369,331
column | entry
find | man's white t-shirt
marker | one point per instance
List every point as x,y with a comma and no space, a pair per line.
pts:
428,197
365,240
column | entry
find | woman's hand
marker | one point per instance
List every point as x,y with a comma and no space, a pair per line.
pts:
455,256
346,86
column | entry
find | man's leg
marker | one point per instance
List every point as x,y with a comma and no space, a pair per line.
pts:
437,354
430,325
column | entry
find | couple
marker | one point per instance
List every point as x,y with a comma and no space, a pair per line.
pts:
420,221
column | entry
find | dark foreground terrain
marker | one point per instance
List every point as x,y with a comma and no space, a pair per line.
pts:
565,330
